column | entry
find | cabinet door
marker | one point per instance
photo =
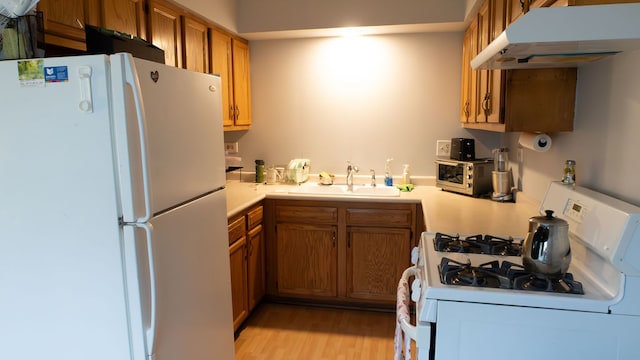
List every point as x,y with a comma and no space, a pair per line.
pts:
64,23
516,9
165,31
238,264
469,76
484,37
494,97
221,64
241,84
126,16
256,266
196,45
376,258
306,259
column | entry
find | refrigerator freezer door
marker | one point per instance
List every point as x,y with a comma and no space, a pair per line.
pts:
185,291
180,144
61,278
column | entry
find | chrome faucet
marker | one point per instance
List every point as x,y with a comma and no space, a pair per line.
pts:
350,170
373,178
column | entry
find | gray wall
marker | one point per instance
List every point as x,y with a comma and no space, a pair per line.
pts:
606,139
277,15
363,99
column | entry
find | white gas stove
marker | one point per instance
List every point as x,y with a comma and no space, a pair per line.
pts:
481,304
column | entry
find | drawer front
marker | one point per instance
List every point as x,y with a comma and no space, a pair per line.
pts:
380,217
306,214
254,217
237,228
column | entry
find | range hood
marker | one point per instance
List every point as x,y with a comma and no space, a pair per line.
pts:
563,37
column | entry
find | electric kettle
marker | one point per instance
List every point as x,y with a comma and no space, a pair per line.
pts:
546,249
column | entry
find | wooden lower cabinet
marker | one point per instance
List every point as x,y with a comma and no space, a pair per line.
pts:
247,262
376,258
307,259
238,263
255,266
338,252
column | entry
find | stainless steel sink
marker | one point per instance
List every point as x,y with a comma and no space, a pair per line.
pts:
358,190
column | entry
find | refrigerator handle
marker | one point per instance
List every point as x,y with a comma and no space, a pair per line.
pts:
150,333
140,117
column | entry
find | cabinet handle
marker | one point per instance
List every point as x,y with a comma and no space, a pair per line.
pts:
466,109
80,23
237,112
231,113
485,104
334,239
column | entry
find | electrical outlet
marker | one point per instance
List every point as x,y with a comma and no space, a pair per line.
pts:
231,147
443,148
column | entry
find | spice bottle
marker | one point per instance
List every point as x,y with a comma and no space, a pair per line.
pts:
259,171
569,173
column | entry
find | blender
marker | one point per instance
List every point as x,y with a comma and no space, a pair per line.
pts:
501,176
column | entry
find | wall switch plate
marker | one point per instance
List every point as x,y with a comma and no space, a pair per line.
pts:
443,148
231,147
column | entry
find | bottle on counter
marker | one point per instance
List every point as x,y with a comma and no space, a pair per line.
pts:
569,173
388,177
406,174
259,171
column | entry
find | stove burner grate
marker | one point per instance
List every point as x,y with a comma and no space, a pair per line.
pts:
507,275
477,244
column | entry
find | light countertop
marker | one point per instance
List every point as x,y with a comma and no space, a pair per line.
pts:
444,211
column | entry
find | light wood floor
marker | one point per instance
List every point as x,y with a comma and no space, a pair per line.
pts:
291,332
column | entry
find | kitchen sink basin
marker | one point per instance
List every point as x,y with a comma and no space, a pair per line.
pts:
358,190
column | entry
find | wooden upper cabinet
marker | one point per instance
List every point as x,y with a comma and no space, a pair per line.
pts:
492,81
469,76
241,84
513,100
482,93
515,9
554,3
221,64
195,54
230,59
64,22
484,38
165,30
125,16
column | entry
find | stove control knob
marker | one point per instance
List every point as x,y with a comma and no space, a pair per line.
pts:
416,289
414,255
469,184
469,168
469,176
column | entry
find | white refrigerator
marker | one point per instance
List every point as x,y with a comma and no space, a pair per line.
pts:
113,232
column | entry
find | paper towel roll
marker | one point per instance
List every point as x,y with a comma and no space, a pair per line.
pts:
535,142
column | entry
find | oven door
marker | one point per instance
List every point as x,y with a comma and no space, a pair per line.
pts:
414,338
467,330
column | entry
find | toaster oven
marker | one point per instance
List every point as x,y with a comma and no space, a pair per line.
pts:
465,177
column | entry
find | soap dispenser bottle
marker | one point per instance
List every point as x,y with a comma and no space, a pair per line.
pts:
406,175
388,178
